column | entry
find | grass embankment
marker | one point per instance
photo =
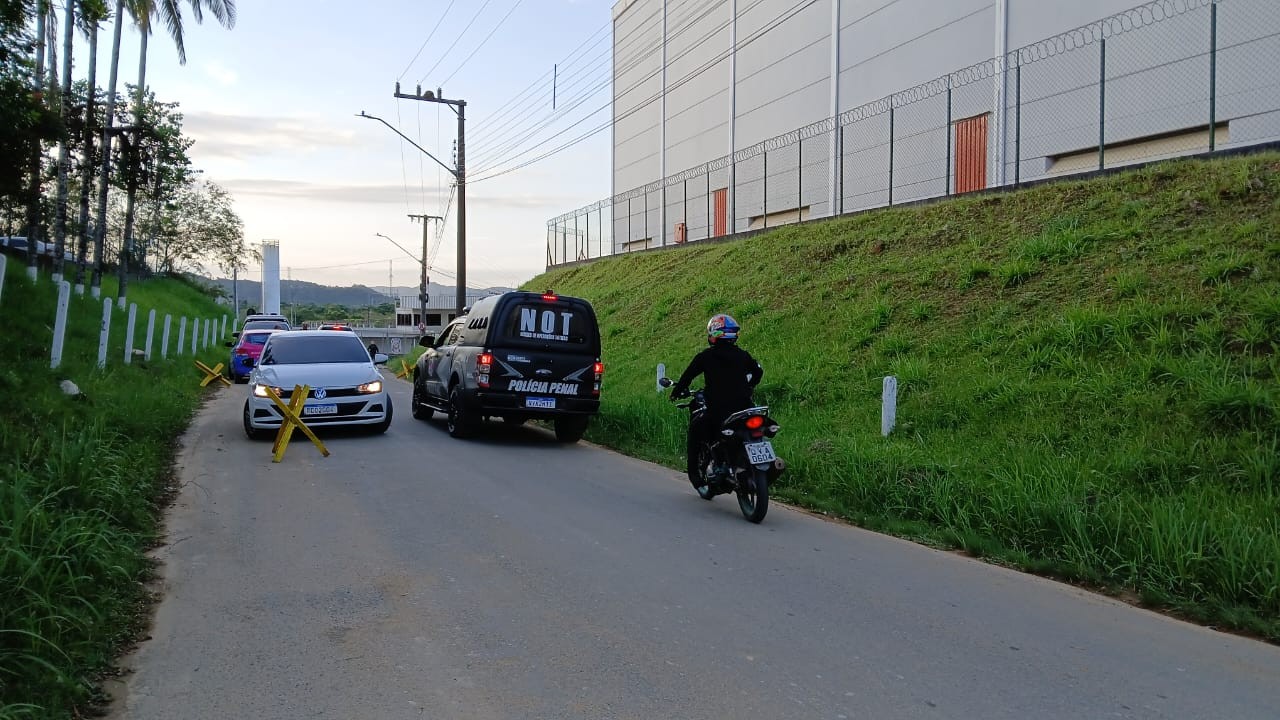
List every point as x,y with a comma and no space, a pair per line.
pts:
81,481
1088,373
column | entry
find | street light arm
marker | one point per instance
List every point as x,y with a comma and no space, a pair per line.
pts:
392,128
406,252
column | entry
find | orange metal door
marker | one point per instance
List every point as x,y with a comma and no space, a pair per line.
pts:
971,154
721,224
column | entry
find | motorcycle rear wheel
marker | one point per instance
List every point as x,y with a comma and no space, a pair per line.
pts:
753,495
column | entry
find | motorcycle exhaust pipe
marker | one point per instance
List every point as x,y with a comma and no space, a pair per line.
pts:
779,465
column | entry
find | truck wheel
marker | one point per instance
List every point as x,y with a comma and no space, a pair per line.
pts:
460,424
570,429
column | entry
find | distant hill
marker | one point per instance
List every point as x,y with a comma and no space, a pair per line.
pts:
302,292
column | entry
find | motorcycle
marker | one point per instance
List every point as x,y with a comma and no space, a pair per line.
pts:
741,447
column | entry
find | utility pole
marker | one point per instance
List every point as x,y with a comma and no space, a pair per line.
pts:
425,281
459,173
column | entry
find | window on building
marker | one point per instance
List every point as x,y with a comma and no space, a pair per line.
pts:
433,319
971,154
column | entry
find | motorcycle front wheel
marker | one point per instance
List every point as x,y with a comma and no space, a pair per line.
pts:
753,495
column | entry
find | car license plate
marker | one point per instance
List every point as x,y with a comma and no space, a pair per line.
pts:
540,403
319,409
760,452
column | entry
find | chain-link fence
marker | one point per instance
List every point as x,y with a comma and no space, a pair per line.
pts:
1165,79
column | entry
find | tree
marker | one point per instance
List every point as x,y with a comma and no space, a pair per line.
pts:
170,12
25,121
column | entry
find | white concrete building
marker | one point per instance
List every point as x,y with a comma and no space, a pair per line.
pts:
698,80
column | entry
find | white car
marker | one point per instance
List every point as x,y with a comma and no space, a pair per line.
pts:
346,387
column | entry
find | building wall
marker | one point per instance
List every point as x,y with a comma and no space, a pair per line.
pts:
1157,85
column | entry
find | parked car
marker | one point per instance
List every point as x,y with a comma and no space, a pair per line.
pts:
280,324
14,245
346,387
266,316
245,351
517,356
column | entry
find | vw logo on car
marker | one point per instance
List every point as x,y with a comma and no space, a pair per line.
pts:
321,393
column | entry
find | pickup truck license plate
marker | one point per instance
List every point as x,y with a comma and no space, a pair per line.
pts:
540,403
319,409
760,452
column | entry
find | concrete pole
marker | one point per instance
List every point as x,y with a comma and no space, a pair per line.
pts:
834,177
662,157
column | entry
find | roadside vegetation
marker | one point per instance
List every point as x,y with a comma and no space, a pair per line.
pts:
1087,374
82,480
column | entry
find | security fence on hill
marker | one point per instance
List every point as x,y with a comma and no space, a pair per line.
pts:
1165,79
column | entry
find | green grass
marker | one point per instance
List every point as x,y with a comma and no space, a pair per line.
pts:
81,486
1087,371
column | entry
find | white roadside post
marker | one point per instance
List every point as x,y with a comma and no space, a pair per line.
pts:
164,342
151,331
128,334
889,406
195,334
104,333
3,261
182,335
224,326
59,323
662,372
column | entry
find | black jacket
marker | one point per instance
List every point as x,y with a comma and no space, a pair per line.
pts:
731,374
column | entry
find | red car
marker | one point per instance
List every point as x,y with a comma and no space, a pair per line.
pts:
249,346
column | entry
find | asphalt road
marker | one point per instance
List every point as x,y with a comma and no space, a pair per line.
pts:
411,575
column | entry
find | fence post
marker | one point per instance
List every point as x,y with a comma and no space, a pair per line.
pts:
799,178
1213,76
685,212
224,326
1102,104
628,241
104,332
888,405
3,261
764,212
948,169
577,237
59,322
647,236
1017,122
586,243
195,334
890,150
151,331
182,336
841,155
128,333
710,220
164,341
600,230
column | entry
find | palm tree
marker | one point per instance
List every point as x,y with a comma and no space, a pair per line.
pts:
171,13
141,11
44,12
92,18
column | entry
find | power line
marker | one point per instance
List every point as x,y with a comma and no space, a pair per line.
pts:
795,10
482,42
455,41
518,96
424,42
547,121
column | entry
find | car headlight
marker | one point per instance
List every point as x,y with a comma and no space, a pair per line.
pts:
371,387
261,391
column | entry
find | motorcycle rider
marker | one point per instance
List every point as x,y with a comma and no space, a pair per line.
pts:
730,376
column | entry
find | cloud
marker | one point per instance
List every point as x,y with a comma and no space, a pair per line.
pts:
242,137
388,194
221,74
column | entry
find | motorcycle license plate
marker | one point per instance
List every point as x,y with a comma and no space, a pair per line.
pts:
541,403
320,410
760,452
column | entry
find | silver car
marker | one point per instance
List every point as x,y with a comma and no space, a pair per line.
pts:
346,387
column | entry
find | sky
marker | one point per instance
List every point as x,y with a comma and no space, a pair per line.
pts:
272,106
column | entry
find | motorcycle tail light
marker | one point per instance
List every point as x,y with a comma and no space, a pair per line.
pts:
754,422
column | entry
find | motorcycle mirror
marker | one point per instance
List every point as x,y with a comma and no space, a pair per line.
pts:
663,380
